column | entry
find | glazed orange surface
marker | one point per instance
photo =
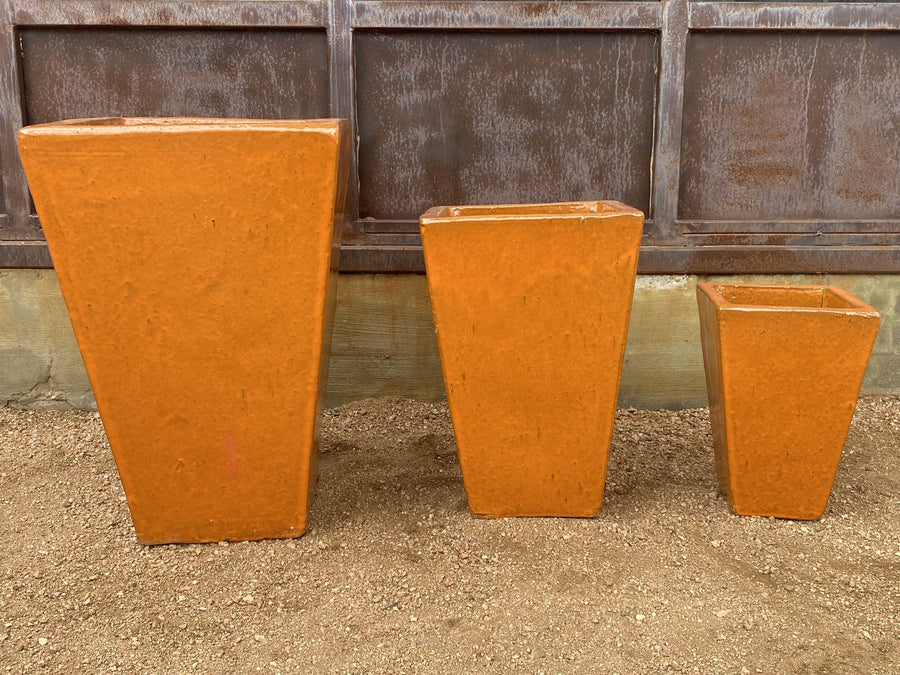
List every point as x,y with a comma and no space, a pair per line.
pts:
784,365
531,306
197,260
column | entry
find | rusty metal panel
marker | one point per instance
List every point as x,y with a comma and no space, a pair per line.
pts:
791,126
24,253
469,15
677,259
222,13
772,167
94,72
779,15
667,144
767,259
14,225
467,118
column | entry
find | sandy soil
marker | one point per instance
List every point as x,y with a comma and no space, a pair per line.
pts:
396,576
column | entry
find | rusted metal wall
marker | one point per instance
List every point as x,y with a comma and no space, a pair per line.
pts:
756,136
89,72
814,120
461,118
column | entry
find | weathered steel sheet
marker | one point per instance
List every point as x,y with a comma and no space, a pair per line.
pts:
14,226
791,126
817,15
456,118
785,160
667,143
96,72
31,253
223,13
820,227
520,15
676,259
767,259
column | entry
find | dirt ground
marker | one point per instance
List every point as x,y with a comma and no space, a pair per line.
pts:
395,576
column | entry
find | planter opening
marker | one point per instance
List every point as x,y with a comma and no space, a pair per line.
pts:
525,210
786,297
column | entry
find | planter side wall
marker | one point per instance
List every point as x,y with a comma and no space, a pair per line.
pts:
532,343
201,322
710,341
783,388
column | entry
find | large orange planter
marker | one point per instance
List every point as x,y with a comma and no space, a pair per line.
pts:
784,365
197,259
531,306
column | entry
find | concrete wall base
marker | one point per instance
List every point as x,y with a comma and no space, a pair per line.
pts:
384,341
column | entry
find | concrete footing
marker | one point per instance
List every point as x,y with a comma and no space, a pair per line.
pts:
384,340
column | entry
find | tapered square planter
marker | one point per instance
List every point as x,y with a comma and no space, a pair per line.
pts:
197,258
531,306
784,365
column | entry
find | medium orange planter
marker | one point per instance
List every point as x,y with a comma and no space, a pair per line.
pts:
784,365
531,306
197,259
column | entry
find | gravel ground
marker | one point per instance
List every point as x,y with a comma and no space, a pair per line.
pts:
395,576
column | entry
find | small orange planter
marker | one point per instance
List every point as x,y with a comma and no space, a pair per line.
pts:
784,365
197,259
531,306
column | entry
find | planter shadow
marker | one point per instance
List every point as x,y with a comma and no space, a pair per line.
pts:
197,258
531,306
784,365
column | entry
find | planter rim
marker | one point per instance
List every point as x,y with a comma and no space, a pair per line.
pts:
519,212
797,298
118,125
